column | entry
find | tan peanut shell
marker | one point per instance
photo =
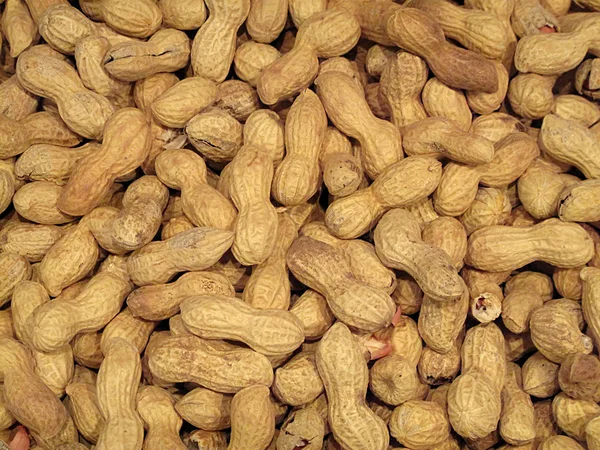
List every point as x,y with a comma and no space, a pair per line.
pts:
298,175
407,420
167,50
205,409
156,408
84,409
488,247
252,419
82,110
214,317
210,367
325,269
178,104
297,382
439,138
186,171
448,103
127,133
556,333
402,81
21,384
570,142
159,302
397,243
419,33
316,38
312,310
117,385
345,377
195,249
183,15
56,323
540,376
474,406
352,216
381,143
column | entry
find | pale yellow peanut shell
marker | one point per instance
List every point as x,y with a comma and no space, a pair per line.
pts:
117,385
489,247
297,177
556,333
91,310
473,406
221,317
178,104
406,424
345,377
540,376
195,249
252,418
162,301
205,409
440,100
297,382
82,110
167,50
214,45
156,408
183,15
397,243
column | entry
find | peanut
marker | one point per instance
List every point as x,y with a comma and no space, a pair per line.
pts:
578,377
159,302
555,332
205,409
540,376
101,300
312,310
352,216
577,202
419,33
572,415
590,300
445,102
381,143
345,377
517,423
223,368
565,51
195,249
325,269
397,243
167,50
36,128
406,424
117,385
82,110
440,323
83,407
126,132
402,81
488,248
31,241
530,95
251,58
202,204
178,104
523,294
21,385
296,70
439,138
202,316
252,419
15,269
156,408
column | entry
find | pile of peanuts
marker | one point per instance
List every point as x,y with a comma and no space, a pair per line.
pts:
300,224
